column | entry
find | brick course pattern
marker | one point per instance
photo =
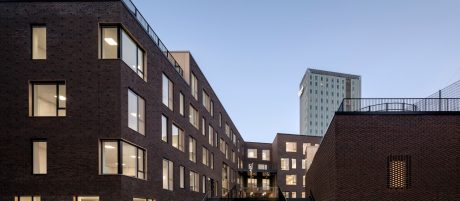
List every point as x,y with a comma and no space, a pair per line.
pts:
351,161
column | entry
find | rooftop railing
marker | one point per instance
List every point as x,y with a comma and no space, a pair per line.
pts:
148,29
400,105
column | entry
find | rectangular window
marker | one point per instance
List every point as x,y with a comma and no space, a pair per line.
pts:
291,146
252,183
206,101
168,174
205,156
203,184
27,198
252,153
194,181
181,177
212,109
220,119
210,135
119,157
262,167
194,86
164,128
211,160
294,194
222,145
167,94
284,163
305,145
203,126
129,51
177,137
303,180
399,172
227,130
86,198
192,149
194,117
291,179
40,164
304,164
181,104
48,99
136,112
38,42
303,195
266,155
294,163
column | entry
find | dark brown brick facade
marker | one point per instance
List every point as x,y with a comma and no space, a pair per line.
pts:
351,163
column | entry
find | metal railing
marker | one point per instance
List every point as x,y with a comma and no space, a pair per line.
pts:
148,29
400,105
451,91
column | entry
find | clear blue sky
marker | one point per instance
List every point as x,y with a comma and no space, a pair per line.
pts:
255,52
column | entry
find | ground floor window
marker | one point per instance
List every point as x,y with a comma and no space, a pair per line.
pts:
86,198
27,198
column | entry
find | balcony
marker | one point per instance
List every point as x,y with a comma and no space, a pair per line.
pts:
399,105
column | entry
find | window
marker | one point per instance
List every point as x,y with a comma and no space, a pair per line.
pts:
220,119
252,183
262,167
211,161
130,52
303,195
294,163
48,99
286,194
212,109
203,184
194,86
87,198
194,181
291,179
210,135
164,128
177,137
136,112
38,42
168,174
399,172
293,194
205,156
167,92
27,198
291,147
206,101
284,163
203,126
181,104
266,155
222,145
181,177
227,130
303,180
193,117
252,153
265,184
39,157
304,164
119,157
192,149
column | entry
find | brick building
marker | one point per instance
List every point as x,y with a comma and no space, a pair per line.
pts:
402,153
96,108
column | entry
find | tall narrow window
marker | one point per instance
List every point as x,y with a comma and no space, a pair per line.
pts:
220,119
181,177
177,137
109,157
109,41
164,128
212,108
40,157
181,104
203,126
206,101
211,160
131,54
203,184
284,163
398,172
48,99
294,163
192,149
136,112
205,156
168,175
194,181
38,42
194,117
210,135
194,86
167,92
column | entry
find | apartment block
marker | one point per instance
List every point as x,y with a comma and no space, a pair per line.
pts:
96,108
321,92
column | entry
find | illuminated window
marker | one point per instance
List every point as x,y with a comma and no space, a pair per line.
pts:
206,101
284,163
136,112
252,183
293,194
48,99
86,198
181,104
177,137
291,179
181,177
252,153
192,149
27,198
294,163
168,174
164,128
39,157
205,156
194,181
291,147
262,167
194,117
398,172
167,93
118,157
194,86
38,42
210,135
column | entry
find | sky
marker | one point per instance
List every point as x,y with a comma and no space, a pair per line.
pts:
255,52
